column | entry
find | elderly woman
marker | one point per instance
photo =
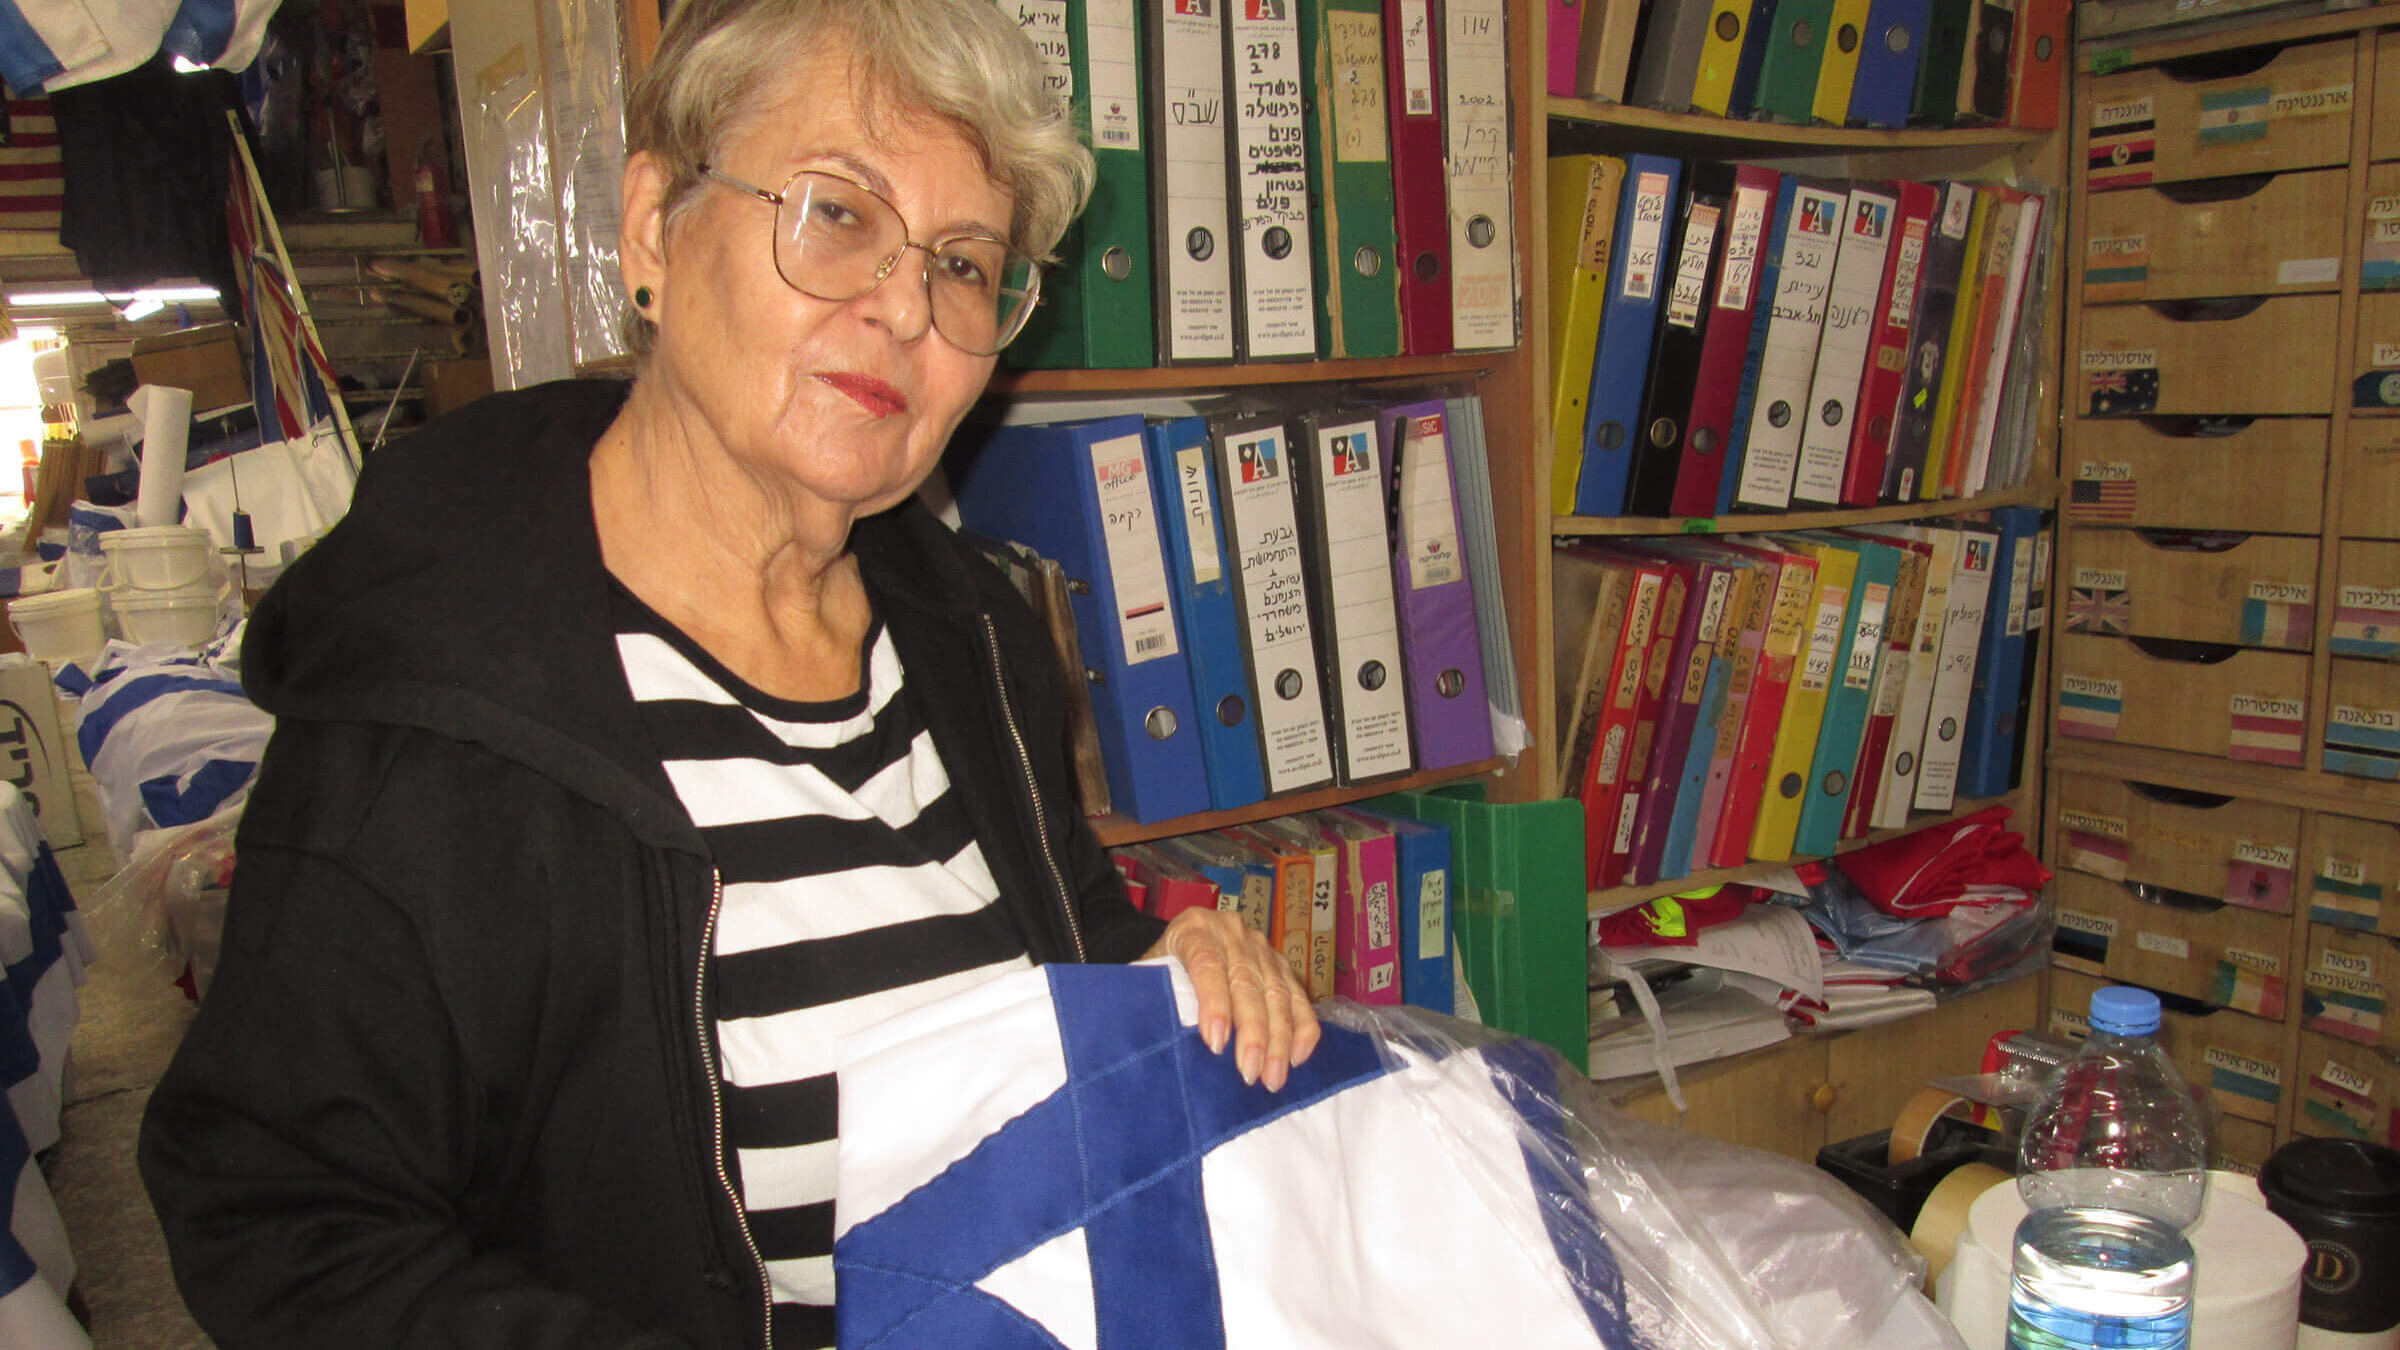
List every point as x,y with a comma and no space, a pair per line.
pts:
635,744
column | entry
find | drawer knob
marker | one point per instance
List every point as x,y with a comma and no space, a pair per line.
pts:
1822,1098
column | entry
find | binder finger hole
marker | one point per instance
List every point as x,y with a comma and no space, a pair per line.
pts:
1117,263
1231,709
1368,261
1450,684
1729,25
1288,684
1200,243
1846,38
1895,39
1371,676
1160,724
1803,33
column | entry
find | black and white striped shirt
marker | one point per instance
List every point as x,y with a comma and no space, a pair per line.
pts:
853,890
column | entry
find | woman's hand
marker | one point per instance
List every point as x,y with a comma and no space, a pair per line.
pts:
1246,991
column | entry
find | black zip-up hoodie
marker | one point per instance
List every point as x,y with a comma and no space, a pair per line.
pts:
452,1087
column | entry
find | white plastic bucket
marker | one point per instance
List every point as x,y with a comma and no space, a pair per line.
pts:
186,620
156,558
59,626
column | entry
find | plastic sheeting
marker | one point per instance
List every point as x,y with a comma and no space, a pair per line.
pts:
1059,1147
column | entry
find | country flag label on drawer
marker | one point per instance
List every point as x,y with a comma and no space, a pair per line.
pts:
2072,1025
2250,982
2094,844
2340,1100
2102,490
2243,1086
2280,614
2343,1005
2343,897
2259,876
2232,115
2367,623
2081,940
2090,708
2124,143
2363,742
2099,601
2268,730
2121,384
2116,267
2379,258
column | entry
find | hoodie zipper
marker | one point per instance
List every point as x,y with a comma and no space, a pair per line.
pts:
716,1105
1033,792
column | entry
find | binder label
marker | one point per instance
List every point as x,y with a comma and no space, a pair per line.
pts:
1741,248
1641,251
1958,210
1433,913
1200,525
1904,275
1361,136
1867,642
1817,673
1263,530
1193,242
1429,517
1045,21
1146,623
1691,268
1483,281
1358,581
1270,181
1112,37
1416,59
2020,585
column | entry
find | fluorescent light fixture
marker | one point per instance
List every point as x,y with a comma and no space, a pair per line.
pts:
48,299
37,333
177,295
141,307
184,65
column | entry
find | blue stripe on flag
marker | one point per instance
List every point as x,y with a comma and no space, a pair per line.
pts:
173,802
2353,765
2366,738
200,31
25,58
121,702
2091,702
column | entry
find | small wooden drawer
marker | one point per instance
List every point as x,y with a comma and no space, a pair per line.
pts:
2346,1090
2236,1058
2254,111
2370,487
2383,130
2206,356
2375,362
2231,702
2355,864
2344,985
2200,844
2252,590
2258,234
2362,719
2225,957
2243,1145
2187,473
2366,616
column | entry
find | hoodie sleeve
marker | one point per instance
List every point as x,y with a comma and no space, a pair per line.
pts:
314,1150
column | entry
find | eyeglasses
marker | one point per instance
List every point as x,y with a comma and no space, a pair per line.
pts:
837,240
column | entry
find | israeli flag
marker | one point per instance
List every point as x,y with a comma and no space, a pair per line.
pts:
1054,1159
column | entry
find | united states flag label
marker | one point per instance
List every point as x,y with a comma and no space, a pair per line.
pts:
2102,491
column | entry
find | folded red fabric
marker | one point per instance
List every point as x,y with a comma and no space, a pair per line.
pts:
1673,921
1975,859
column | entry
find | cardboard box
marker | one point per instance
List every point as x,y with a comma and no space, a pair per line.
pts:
2346,1091
2236,1058
2225,957
36,754
2252,705
2281,233
2362,707
2202,844
2268,475
451,385
2252,590
2370,492
2204,357
2353,867
207,360
2293,112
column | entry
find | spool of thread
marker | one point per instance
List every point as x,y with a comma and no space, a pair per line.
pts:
166,416
245,537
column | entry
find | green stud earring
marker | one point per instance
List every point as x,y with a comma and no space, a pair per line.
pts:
641,297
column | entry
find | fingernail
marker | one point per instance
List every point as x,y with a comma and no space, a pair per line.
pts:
1278,1073
1249,1061
1215,1033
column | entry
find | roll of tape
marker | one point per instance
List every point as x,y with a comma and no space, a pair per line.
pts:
1915,1121
1944,1218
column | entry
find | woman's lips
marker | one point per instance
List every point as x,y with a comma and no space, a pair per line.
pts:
878,398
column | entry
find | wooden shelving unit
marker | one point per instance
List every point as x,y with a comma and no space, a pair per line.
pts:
1116,830
2040,493
1739,136
1177,379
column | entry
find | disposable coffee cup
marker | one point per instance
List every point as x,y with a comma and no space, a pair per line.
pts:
2343,1197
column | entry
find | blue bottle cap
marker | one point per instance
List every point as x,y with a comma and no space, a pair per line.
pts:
2121,1010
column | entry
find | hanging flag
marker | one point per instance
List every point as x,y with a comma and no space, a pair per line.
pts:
289,374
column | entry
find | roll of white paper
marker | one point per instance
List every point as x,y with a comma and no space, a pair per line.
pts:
166,414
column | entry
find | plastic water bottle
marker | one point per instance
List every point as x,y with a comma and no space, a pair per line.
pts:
2113,1166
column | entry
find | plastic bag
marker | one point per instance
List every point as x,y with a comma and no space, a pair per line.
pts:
173,891
1718,1247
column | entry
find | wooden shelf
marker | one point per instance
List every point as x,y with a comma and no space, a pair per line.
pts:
2334,793
1115,830
1210,379
1751,522
2100,55
1735,133
1604,903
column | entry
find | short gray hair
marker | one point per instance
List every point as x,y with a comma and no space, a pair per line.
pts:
962,61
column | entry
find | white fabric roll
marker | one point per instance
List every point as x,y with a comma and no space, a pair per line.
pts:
166,414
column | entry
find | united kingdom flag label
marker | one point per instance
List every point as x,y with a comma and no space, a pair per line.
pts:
2099,601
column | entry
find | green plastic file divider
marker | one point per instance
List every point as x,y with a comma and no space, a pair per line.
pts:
1517,910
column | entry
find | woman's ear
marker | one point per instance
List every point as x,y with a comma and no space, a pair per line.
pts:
642,232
